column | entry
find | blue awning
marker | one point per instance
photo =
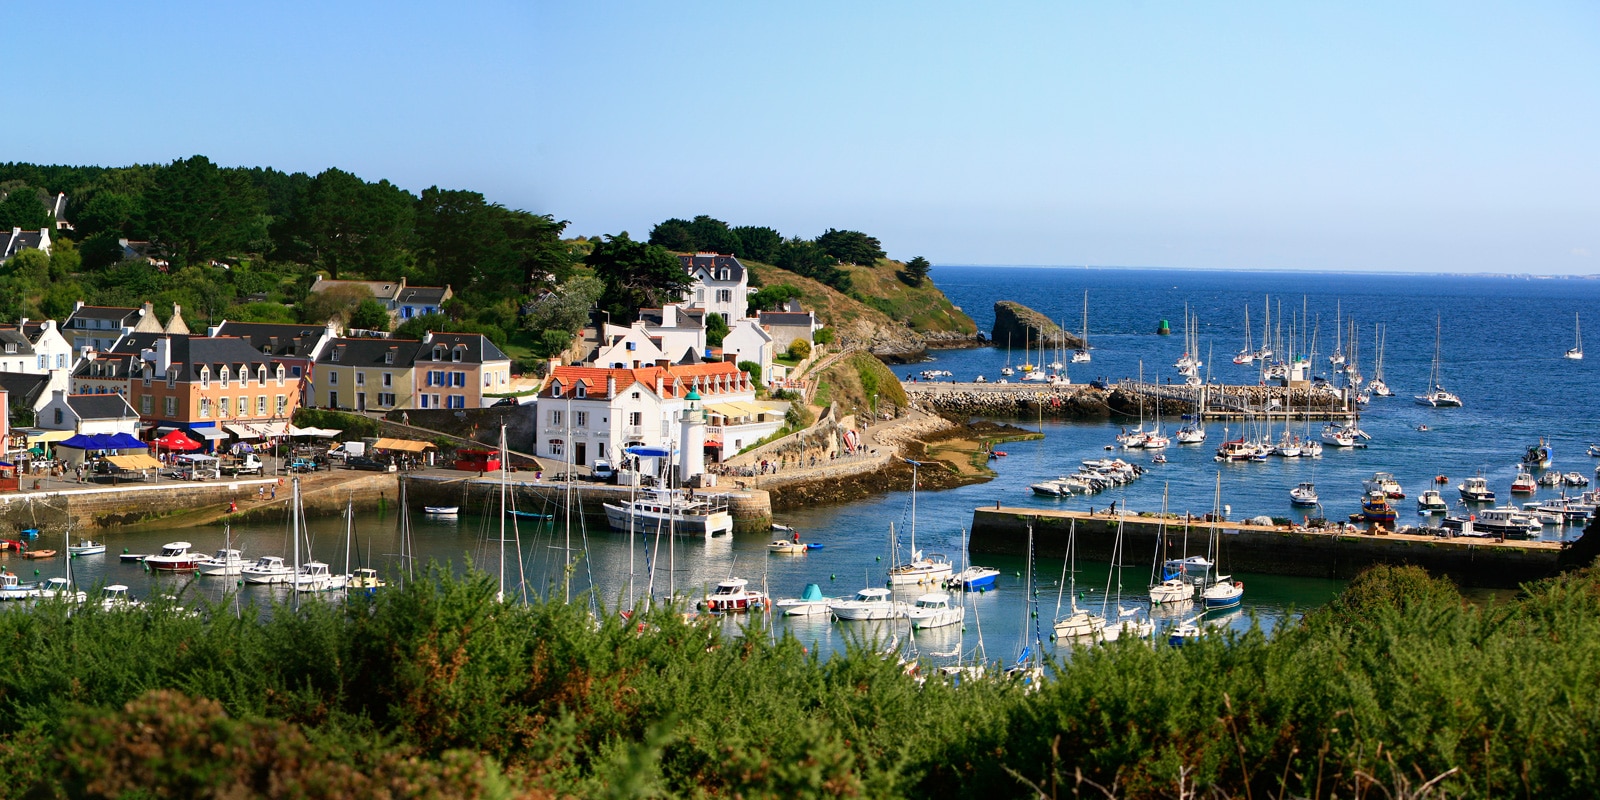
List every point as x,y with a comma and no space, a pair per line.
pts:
103,441
650,452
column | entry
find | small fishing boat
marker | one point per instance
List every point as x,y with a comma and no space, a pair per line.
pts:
86,548
1375,508
1575,479
12,587
787,547
1431,502
1384,482
810,602
115,598
868,604
226,563
1508,522
1475,490
315,576
1224,593
1537,456
1551,478
1524,484
733,595
268,570
1304,495
39,554
441,511
59,589
365,578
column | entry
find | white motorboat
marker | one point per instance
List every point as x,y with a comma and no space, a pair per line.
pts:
115,598
227,562
935,611
174,557
787,547
1508,522
1524,483
734,595
1431,502
315,576
667,509
1080,624
1551,478
1052,488
868,604
267,570
60,589
86,548
441,511
973,579
810,602
1236,450
1575,479
1304,495
1384,482
12,587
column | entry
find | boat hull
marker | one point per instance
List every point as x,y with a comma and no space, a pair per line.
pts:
720,522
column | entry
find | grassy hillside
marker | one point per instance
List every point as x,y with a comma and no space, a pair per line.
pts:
850,318
853,381
925,307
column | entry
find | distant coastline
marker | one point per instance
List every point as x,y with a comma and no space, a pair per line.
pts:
1270,270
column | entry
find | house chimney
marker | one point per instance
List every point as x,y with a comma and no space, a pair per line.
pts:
611,386
663,362
555,361
163,355
659,384
669,315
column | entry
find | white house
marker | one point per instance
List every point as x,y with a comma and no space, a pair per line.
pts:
88,414
19,240
677,329
50,350
789,324
626,348
720,285
586,413
748,341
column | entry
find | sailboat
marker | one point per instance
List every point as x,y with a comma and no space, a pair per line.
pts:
1437,397
1078,623
1337,358
1576,353
1177,581
1248,354
1081,355
933,569
1007,370
1377,387
1222,591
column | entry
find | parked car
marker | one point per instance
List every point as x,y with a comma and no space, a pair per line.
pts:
506,401
304,465
363,462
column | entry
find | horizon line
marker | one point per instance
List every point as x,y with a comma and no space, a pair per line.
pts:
1308,270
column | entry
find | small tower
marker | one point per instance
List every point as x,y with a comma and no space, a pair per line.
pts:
692,438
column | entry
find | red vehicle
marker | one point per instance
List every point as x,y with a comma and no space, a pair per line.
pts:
478,460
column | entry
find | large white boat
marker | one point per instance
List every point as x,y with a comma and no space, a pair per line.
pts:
174,557
1437,396
1384,482
674,510
226,563
315,576
1508,522
868,604
266,570
1476,490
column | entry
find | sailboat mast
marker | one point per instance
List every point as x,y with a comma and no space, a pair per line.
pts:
566,550
294,530
501,596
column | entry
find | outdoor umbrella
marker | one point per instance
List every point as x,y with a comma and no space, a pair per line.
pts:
177,441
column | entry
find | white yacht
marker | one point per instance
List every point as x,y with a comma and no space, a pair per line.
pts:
935,611
174,557
667,509
1190,434
733,595
1476,490
316,577
1304,495
1384,482
267,569
226,563
1431,502
868,604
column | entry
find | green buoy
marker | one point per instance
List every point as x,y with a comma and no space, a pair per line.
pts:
1164,329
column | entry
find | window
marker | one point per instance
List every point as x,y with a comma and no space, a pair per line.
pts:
388,358
223,407
580,418
172,378
632,346
333,378
282,405
147,380
44,361
408,312
636,395
170,405
724,295
261,405
224,376
361,379
205,408
488,380
556,447
457,401
455,355
635,418
438,353
280,375
583,391
388,379
261,374
146,403
385,399
333,399
338,353
60,417
555,417
205,377
244,406
460,379
295,371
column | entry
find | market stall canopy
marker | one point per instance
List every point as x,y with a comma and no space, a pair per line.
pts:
320,433
103,441
403,445
258,430
177,441
197,458
136,461
208,433
45,437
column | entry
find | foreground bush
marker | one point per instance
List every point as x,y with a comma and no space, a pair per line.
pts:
436,690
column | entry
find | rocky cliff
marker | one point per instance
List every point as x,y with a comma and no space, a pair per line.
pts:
1015,325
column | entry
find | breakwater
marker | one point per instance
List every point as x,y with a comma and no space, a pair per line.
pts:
1272,550
1071,401
1129,399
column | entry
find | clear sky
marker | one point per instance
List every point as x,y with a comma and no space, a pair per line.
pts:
1417,136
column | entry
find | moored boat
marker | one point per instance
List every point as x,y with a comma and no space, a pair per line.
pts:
1524,484
1475,490
733,595
267,570
935,611
174,557
869,604
1431,502
1375,508
811,601
1304,495
226,562
787,547
86,547
441,511
973,579
666,509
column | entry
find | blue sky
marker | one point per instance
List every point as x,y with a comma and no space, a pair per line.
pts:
1447,137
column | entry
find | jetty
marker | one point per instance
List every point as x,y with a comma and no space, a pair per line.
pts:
751,509
1212,401
1335,552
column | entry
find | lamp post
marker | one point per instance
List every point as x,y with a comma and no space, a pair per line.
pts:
874,407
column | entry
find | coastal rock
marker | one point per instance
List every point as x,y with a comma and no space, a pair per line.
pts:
1015,325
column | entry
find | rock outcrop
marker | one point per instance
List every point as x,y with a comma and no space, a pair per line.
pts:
1017,324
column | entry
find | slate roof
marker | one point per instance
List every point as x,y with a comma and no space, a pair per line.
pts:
121,362
121,316
421,295
294,341
654,316
101,406
370,352
17,240
714,264
14,343
786,318
25,389
476,349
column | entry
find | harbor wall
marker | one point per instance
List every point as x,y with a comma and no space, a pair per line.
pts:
751,508
1266,550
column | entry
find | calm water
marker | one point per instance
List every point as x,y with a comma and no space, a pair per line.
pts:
1503,340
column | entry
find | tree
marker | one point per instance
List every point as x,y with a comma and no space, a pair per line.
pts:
823,336
753,368
22,208
340,301
772,298
713,236
196,211
351,225
636,274
673,234
758,243
417,326
716,329
799,350
566,309
809,259
851,247
370,315
916,271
